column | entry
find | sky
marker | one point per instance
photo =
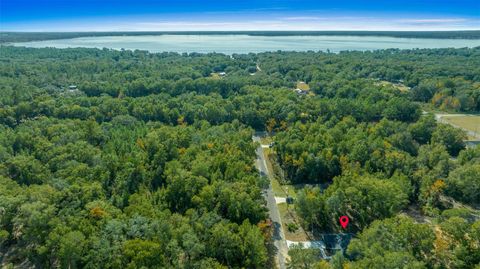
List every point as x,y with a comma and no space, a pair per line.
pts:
243,15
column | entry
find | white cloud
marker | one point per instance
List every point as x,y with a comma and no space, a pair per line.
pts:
252,23
302,18
433,21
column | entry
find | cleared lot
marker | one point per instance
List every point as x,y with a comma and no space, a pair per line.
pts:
470,123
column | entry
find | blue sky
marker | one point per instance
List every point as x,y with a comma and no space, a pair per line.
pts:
150,15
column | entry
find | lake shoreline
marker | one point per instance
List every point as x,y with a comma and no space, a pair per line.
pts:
6,37
238,44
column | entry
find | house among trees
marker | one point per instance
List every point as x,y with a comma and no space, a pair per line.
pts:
218,75
335,242
302,92
302,88
328,244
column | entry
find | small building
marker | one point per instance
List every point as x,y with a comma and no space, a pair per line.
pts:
222,74
72,88
328,244
335,242
301,92
71,91
302,88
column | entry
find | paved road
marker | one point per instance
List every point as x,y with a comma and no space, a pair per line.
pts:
278,234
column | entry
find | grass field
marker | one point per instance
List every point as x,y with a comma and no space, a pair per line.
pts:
281,190
288,216
266,140
215,76
303,86
398,86
468,122
471,123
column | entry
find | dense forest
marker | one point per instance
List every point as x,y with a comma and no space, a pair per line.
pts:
130,159
34,36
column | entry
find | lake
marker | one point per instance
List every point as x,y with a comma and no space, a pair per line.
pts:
230,44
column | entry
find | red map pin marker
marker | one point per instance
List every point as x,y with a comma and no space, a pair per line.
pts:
344,221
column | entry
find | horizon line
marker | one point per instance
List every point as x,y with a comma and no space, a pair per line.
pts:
230,31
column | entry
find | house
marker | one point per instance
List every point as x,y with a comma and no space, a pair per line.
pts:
70,91
301,92
72,88
222,74
302,88
336,241
328,244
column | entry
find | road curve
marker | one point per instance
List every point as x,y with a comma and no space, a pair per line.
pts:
278,233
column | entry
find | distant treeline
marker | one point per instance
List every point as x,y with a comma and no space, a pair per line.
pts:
34,36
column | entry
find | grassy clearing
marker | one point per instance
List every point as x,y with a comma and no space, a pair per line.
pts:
398,86
303,86
468,122
289,217
266,153
266,140
281,190
215,76
277,189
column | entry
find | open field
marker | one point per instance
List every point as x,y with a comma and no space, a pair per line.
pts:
398,86
215,76
289,217
470,123
266,140
303,86
281,190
